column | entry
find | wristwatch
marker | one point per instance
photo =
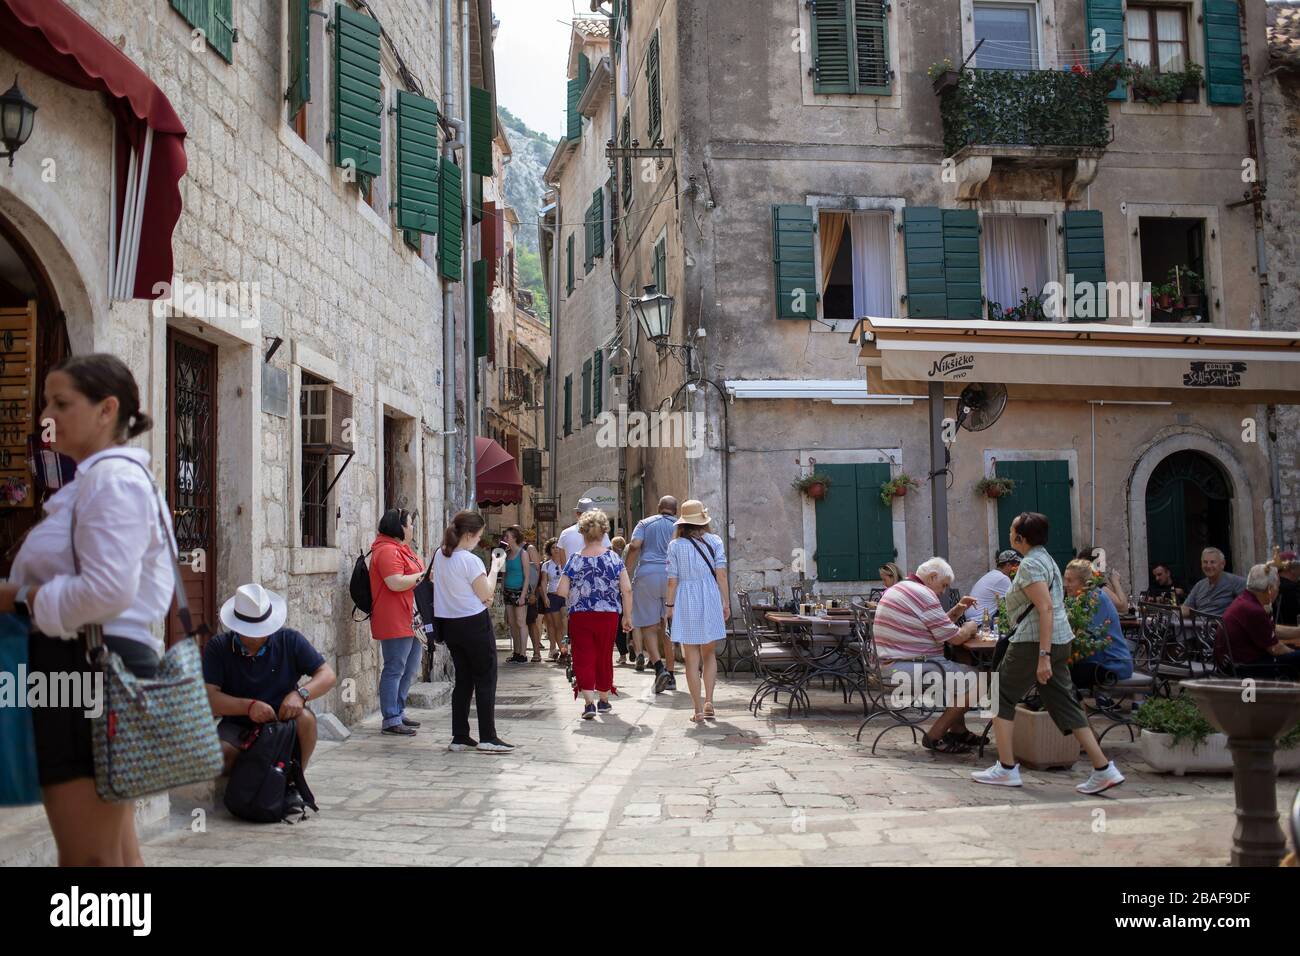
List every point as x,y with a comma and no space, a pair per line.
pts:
20,600
1044,653
306,694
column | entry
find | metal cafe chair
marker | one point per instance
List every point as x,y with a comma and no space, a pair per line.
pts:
1109,695
1159,635
779,667
1189,654
905,715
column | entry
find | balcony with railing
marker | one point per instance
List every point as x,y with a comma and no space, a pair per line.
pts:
1039,119
516,388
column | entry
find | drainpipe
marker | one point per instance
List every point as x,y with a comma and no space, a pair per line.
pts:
450,446
467,269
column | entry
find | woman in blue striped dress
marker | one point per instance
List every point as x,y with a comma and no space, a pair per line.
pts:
698,601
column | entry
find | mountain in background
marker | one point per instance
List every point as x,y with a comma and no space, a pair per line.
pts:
524,189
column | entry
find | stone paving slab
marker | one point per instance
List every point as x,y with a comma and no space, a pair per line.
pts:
645,787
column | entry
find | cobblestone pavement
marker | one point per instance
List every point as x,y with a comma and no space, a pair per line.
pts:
646,787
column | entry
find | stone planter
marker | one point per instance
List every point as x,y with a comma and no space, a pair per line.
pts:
1210,756
1039,744
947,80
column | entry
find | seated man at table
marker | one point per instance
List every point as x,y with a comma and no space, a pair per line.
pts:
993,586
910,631
1214,592
1163,584
1259,646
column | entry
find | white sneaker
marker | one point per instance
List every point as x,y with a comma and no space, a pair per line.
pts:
1100,780
495,747
998,775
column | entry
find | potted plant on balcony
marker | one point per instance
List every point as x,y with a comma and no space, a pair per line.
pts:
897,488
814,485
1162,295
995,487
944,75
1181,86
1188,285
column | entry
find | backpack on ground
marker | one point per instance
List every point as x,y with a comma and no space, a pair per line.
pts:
260,782
359,588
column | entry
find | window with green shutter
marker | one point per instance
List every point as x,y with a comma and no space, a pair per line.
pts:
1225,82
1105,36
481,316
660,265
653,97
568,285
573,129
546,406
1085,255
589,249
358,94
481,130
568,404
625,141
417,163
598,223
221,29
793,230
1044,487
850,47
597,375
855,529
586,392
451,221
961,263
299,91
942,252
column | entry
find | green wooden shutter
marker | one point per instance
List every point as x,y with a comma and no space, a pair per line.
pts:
1224,81
480,136
831,50
961,263
547,400
358,96
197,13
625,140
1023,498
1042,486
871,47
597,374
589,243
1085,253
221,30
927,291
584,73
1108,17
574,130
656,125
875,520
451,223
480,309
569,284
661,265
568,404
793,229
598,221
417,163
586,392
299,92
837,554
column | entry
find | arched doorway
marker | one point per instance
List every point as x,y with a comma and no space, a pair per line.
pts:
1188,508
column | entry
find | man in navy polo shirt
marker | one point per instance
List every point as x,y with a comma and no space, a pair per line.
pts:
252,671
1260,648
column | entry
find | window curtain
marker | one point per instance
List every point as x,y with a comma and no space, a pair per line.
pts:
1169,30
873,285
831,228
1015,258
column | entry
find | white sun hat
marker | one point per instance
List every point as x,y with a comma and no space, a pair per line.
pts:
254,611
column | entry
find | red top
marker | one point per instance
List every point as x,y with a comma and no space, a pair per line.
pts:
393,612
1249,630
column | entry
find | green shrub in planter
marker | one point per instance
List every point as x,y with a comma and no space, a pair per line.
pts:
1182,719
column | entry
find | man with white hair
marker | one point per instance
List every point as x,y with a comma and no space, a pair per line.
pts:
910,631
1258,646
1214,592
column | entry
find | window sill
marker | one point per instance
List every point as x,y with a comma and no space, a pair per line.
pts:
1141,108
315,560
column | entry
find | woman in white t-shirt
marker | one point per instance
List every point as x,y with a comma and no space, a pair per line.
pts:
554,607
463,591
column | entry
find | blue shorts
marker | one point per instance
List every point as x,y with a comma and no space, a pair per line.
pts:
555,604
649,594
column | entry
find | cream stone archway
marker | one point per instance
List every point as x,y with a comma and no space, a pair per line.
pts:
1243,519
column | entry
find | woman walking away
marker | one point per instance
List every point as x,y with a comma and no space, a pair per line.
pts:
1039,651
602,593
513,588
110,563
535,598
395,570
554,607
462,593
698,601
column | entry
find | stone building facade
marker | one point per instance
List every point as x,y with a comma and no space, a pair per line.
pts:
776,146
333,366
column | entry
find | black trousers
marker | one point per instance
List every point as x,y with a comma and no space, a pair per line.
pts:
474,654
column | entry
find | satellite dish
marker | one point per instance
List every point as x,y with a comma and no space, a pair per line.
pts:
980,405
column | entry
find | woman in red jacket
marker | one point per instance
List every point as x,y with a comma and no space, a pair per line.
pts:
394,572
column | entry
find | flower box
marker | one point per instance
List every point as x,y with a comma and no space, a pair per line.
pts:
1210,756
946,80
1039,744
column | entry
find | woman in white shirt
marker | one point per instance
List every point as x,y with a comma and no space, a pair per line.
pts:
462,594
121,578
554,608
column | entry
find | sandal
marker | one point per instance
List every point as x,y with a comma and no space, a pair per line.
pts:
944,745
697,718
964,737
708,709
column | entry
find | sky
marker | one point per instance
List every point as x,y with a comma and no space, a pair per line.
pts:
530,52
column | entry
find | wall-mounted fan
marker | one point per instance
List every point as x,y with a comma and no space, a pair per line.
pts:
980,405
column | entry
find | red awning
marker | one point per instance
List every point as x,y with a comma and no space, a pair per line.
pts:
497,473
50,37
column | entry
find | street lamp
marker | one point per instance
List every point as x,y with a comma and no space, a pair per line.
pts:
17,114
654,313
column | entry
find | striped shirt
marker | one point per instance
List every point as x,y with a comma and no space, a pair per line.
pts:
910,623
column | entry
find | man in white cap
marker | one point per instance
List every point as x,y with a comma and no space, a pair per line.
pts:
252,671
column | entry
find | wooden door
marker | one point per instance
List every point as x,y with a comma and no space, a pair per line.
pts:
191,474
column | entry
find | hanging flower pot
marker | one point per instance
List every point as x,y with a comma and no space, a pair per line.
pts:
897,488
814,485
995,487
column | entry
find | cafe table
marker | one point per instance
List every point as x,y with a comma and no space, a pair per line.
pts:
821,643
